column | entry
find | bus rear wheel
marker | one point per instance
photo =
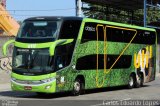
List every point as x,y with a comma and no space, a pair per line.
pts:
140,81
78,87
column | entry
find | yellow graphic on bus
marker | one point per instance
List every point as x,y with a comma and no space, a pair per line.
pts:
142,58
105,49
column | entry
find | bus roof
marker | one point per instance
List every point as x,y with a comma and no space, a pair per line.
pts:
51,18
117,24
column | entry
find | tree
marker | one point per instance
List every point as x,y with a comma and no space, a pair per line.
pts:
120,15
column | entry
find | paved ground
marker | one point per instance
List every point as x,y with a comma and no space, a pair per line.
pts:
151,91
4,77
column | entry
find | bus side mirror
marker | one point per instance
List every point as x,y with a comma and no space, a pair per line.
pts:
5,46
58,42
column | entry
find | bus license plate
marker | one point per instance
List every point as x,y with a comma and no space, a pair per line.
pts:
27,88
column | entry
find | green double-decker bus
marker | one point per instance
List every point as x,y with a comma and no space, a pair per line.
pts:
57,54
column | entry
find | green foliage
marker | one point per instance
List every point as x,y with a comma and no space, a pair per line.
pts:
120,15
107,13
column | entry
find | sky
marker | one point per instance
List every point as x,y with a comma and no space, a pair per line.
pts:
22,9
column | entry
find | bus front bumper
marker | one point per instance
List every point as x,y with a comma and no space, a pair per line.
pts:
48,87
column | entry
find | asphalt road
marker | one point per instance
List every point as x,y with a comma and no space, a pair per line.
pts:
98,97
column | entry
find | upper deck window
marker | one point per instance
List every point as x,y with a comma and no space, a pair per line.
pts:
39,29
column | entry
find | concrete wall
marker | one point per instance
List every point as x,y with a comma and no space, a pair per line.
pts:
158,51
5,62
158,59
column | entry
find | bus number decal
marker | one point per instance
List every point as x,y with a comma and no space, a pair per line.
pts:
32,46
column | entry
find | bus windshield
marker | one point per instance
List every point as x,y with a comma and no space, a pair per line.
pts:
39,29
35,61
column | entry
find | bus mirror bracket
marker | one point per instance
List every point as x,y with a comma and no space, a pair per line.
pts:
5,46
57,43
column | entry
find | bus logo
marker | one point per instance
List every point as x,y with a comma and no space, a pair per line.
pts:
91,29
32,46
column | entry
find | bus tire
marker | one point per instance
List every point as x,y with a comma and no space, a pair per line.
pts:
140,81
78,87
131,81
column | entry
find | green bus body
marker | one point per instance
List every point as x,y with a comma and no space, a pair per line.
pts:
102,55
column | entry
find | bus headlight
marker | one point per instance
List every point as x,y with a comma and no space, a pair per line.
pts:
48,80
13,79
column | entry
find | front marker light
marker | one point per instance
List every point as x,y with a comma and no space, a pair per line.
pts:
48,87
48,80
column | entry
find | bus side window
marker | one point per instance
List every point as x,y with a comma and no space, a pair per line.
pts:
91,62
139,37
70,29
117,35
101,34
60,56
128,35
89,32
63,55
109,34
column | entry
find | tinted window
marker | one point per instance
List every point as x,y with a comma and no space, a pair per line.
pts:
38,29
145,37
63,55
90,62
89,32
70,29
117,35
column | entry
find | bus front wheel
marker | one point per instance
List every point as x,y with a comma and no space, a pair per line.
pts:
78,87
